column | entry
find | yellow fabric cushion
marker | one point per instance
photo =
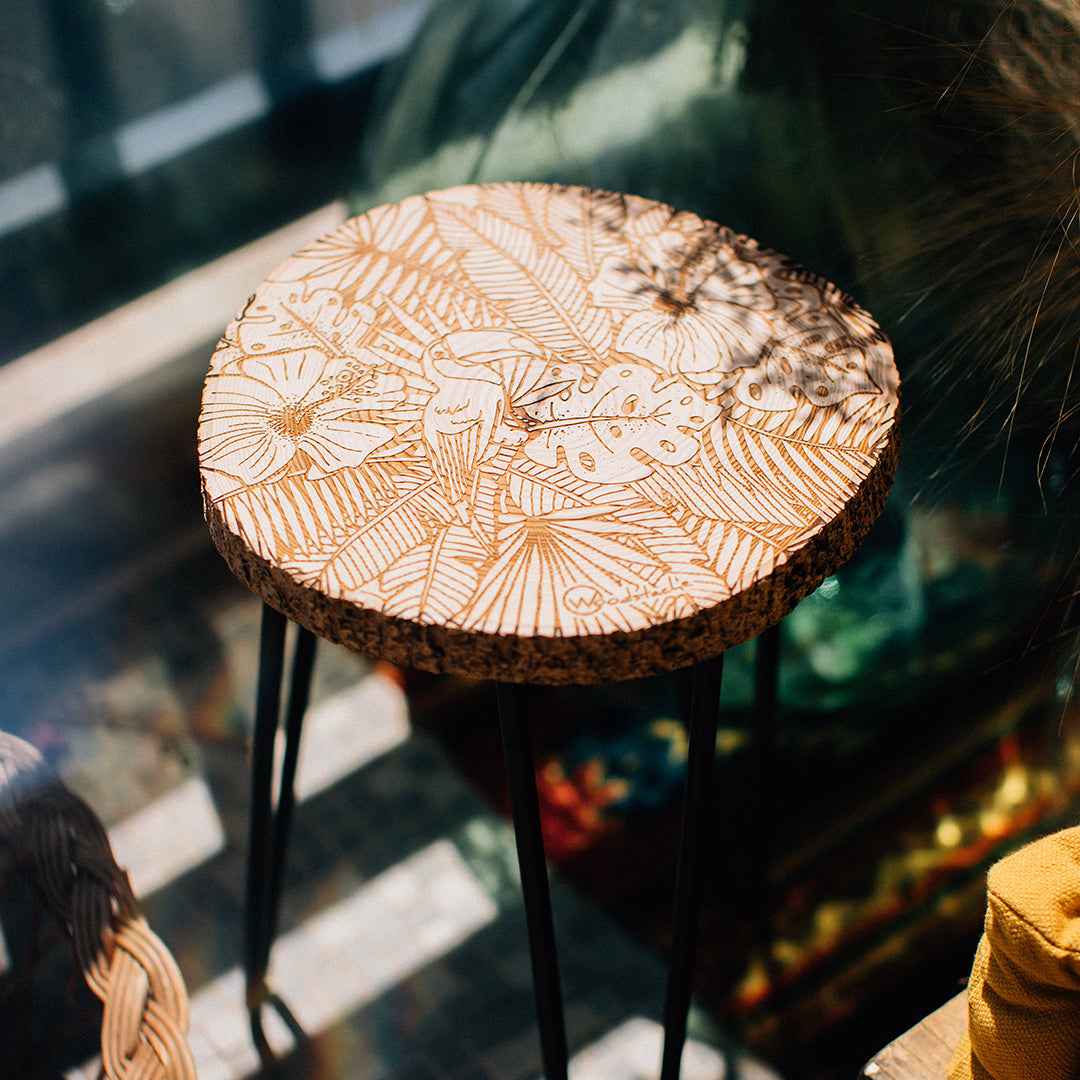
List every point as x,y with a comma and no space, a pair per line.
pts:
1024,993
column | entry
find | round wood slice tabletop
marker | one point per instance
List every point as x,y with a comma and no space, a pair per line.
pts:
543,434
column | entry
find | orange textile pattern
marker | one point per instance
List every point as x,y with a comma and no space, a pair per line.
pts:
1024,994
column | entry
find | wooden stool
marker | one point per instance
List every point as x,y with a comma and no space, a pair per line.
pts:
538,435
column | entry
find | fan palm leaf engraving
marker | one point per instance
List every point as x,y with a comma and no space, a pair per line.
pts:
544,566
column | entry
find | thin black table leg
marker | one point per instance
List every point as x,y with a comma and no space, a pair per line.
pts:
267,710
270,819
303,665
704,713
521,774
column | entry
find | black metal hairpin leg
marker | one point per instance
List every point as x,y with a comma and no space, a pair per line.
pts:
521,774
270,822
704,713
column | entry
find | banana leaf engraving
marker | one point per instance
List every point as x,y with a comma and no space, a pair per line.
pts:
439,578
529,280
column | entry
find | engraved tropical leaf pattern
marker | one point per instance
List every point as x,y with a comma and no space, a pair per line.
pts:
440,576
616,427
531,282
542,411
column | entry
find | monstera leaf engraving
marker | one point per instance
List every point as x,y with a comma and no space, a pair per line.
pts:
611,430
285,317
806,366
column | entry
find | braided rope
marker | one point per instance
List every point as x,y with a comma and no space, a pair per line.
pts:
64,851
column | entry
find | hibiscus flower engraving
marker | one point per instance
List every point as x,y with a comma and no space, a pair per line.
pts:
267,409
694,306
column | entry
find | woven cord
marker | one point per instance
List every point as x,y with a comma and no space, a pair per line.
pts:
61,846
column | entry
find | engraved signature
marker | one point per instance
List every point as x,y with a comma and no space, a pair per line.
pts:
588,599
